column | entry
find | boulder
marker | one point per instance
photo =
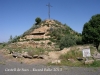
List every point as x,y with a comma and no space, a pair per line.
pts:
89,62
96,56
26,55
35,56
16,55
43,56
56,61
71,60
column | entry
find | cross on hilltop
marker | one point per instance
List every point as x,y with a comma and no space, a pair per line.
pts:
49,9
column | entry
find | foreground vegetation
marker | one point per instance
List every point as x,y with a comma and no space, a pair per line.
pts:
74,58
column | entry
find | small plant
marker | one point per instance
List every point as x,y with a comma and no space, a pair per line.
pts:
93,49
49,43
27,40
2,45
18,50
42,43
52,39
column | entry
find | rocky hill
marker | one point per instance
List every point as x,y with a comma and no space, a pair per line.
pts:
48,28
47,33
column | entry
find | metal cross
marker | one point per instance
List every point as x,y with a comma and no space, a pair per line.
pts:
49,9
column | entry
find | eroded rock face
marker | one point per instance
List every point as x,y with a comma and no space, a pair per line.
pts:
89,62
96,56
43,57
35,56
26,55
39,33
16,55
71,60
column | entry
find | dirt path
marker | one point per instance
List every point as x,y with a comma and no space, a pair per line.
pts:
56,54
16,68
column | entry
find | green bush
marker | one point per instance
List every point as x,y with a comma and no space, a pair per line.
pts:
79,40
3,45
14,39
27,40
52,39
49,43
67,41
37,20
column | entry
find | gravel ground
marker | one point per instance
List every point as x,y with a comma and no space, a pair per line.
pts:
16,68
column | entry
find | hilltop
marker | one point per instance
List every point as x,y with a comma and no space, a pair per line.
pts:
48,33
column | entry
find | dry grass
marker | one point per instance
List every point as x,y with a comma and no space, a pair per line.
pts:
76,51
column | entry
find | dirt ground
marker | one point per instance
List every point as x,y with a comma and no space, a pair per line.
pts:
11,66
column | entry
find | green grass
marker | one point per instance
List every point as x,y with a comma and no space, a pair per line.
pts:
73,54
72,64
1,46
35,51
76,64
15,50
92,49
94,64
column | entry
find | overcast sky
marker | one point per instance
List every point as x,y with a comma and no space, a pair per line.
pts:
17,16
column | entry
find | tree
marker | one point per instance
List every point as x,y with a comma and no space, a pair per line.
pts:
91,31
37,20
10,39
15,39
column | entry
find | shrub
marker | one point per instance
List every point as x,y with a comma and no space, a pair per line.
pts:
52,39
37,20
14,39
79,41
49,43
67,41
27,40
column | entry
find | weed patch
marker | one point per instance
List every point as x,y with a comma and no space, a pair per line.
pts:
94,64
73,54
